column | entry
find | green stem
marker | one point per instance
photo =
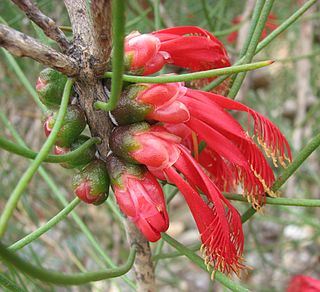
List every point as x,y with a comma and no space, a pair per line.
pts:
8,284
302,156
279,201
43,153
259,20
118,31
46,227
226,31
176,253
63,278
28,153
255,22
223,279
193,76
294,17
156,11
206,14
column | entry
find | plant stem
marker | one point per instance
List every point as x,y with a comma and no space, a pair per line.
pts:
294,17
156,11
28,153
46,227
118,31
27,176
8,284
259,20
278,201
63,278
193,76
223,279
302,156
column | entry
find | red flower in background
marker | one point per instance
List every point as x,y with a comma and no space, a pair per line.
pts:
271,25
188,47
302,283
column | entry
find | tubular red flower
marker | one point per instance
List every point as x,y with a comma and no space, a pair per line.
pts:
302,283
196,49
240,160
139,196
188,47
207,112
218,222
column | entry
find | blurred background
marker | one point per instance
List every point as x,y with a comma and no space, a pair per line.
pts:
282,242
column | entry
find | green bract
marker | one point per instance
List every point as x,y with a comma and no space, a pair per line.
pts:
128,110
87,155
73,125
50,85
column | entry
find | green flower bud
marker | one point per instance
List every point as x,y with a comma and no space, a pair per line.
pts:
50,86
86,156
73,125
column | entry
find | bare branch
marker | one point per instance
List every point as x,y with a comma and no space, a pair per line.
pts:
101,18
48,26
21,45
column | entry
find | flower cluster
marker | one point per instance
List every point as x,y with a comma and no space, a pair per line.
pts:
91,182
176,134
159,131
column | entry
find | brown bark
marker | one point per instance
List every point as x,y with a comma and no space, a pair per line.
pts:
89,88
48,26
143,266
22,45
100,11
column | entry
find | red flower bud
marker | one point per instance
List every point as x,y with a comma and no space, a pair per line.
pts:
151,102
91,184
139,196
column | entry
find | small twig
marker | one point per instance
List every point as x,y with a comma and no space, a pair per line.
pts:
143,266
48,26
21,45
101,21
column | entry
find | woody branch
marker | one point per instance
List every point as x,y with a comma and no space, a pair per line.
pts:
48,26
21,45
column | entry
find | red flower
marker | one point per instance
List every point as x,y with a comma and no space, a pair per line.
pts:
236,154
188,47
139,196
152,102
269,27
301,283
218,221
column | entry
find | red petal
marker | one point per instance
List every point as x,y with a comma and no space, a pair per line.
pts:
222,239
269,136
175,112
